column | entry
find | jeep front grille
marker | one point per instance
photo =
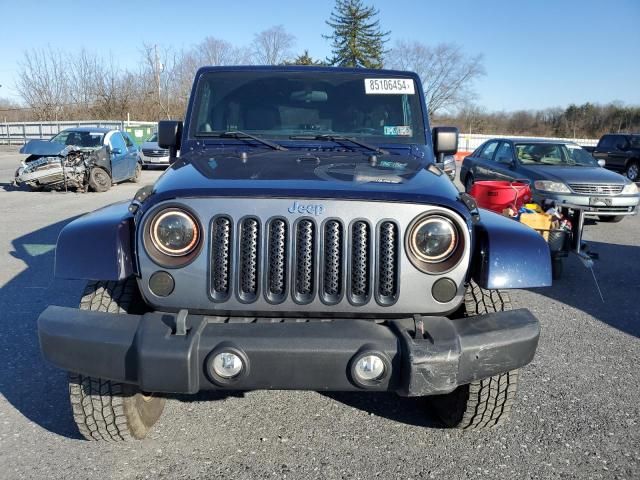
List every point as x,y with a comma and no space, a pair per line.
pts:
279,260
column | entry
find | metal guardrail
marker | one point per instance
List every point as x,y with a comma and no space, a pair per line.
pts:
18,133
469,142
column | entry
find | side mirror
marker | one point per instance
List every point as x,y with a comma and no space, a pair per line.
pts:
602,162
116,151
169,136
445,141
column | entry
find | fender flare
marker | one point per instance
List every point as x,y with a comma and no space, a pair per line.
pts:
508,254
98,246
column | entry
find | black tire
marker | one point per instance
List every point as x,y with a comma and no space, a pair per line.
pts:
484,403
103,409
632,171
137,175
557,267
468,183
99,179
611,219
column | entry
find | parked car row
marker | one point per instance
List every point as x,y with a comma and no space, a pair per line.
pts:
561,172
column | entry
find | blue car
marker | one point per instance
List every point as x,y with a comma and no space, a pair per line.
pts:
558,171
80,158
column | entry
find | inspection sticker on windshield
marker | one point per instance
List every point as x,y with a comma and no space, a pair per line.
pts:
386,86
400,131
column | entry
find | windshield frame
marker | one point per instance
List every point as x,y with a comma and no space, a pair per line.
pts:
421,135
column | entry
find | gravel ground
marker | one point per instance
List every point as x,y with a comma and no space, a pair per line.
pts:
576,416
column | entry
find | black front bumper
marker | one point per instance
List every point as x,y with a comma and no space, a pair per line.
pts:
298,354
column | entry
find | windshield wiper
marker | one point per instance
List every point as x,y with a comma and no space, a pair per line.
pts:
240,134
338,139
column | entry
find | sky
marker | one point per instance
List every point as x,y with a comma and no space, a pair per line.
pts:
537,54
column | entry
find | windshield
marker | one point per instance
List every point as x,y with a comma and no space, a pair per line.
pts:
285,104
82,139
153,138
554,154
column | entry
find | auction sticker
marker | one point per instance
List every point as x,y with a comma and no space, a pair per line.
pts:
386,86
399,131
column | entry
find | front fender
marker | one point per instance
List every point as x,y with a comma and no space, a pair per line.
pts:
508,254
97,246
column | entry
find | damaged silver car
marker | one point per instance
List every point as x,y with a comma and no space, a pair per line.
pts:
80,159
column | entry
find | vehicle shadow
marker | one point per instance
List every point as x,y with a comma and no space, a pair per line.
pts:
408,410
36,389
616,272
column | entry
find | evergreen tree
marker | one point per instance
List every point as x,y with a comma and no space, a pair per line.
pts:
357,39
304,59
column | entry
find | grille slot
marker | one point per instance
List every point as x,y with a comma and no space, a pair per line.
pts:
388,274
277,261
305,261
596,189
220,258
249,259
332,261
360,262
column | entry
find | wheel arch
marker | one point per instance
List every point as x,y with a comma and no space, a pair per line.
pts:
97,246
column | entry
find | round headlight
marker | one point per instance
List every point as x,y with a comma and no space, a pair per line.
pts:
433,239
174,233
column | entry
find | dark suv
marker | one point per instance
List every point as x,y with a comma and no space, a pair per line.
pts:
621,152
303,240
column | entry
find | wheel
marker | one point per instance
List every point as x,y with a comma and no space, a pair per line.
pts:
99,179
557,267
484,403
611,219
468,183
633,171
103,409
137,175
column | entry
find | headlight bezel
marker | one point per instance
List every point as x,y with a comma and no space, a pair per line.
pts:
152,246
441,265
551,186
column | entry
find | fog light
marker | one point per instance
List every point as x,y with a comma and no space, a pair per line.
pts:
369,368
227,365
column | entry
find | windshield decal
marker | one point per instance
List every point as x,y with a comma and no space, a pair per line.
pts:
386,86
398,131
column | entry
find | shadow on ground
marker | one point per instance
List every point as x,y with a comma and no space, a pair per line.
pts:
411,411
618,276
35,388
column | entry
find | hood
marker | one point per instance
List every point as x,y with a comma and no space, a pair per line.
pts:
151,146
312,174
574,174
45,147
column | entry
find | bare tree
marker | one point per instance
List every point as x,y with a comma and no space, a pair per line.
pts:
42,82
214,51
447,74
272,46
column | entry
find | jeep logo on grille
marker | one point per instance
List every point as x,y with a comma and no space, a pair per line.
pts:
310,209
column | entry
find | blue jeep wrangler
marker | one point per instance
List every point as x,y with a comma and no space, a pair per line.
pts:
304,239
